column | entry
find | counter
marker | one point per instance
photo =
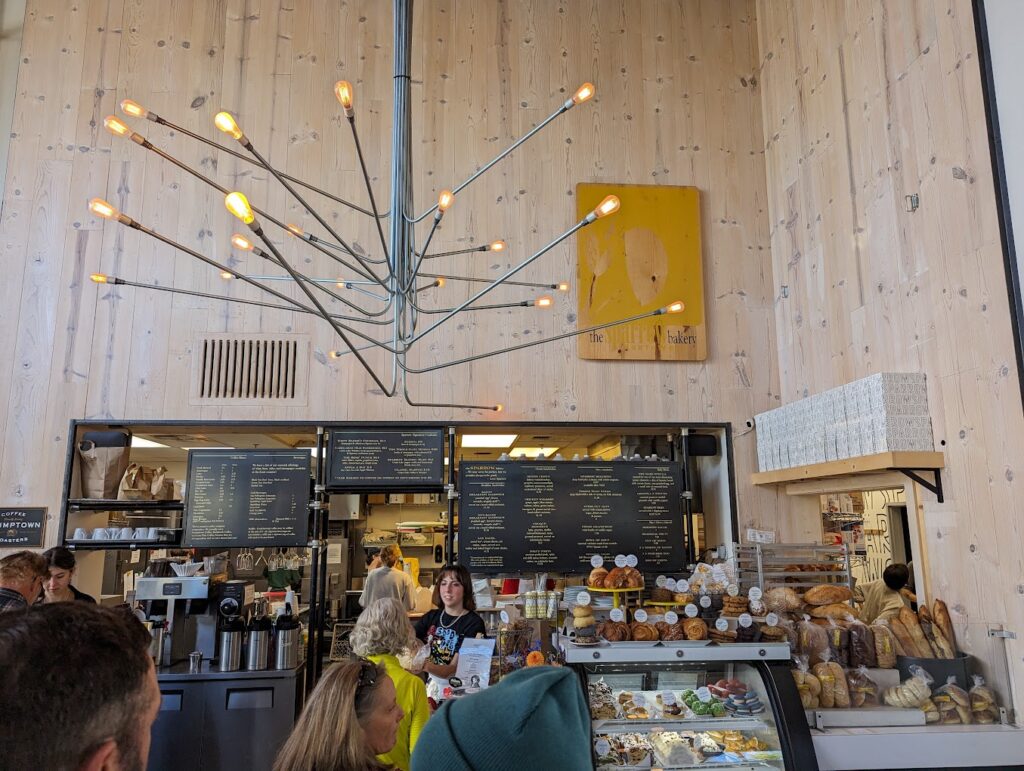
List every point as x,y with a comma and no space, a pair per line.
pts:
211,720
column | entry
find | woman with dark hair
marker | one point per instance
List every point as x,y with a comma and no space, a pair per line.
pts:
58,588
444,628
349,719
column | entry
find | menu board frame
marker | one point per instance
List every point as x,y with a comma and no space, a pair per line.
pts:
424,483
565,523
302,524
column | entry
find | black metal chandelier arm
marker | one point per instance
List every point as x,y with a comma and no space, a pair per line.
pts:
369,192
508,274
242,156
532,343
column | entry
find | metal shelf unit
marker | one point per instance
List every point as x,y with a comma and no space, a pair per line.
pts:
778,564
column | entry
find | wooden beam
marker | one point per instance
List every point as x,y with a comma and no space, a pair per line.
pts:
883,461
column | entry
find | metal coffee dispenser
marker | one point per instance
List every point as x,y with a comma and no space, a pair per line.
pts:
183,602
234,600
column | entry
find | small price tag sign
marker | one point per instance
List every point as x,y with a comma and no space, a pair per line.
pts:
755,593
772,619
668,698
602,747
583,598
733,590
632,561
691,610
718,574
705,601
722,625
682,585
704,694
596,561
671,585
616,614
745,620
640,615
504,616
620,560
671,617
660,582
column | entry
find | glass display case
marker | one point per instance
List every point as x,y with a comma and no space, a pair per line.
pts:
710,707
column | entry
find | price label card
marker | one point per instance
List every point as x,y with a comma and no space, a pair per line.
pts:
583,598
691,610
705,601
504,616
639,699
660,582
668,698
616,614
632,561
722,625
755,593
745,620
771,619
640,615
670,584
602,747
704,694
671,617
596,561
620,560
682,585
733,590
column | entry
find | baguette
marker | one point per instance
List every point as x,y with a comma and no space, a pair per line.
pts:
945,649
906,642
941,615
909,620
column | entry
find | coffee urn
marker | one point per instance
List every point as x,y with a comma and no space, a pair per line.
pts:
286,640
257,653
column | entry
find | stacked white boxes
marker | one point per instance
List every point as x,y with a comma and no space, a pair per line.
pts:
887,412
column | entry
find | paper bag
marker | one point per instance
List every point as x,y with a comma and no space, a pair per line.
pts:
163,485
102,467
137,483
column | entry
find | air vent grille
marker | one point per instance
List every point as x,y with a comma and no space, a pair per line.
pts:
250,369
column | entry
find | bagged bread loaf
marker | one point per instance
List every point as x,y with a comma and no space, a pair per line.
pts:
807,685
953,703
827,594
912,692
984,708
931,712
940,613
885,646
812,641
782,599
862,646
863,690
838,644
834,691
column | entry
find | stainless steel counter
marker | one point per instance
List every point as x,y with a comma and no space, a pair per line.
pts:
179,672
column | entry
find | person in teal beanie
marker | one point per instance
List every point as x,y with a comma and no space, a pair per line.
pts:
534,718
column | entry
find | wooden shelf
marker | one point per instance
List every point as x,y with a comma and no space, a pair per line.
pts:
904,462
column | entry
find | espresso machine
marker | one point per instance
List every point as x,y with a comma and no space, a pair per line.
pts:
181,605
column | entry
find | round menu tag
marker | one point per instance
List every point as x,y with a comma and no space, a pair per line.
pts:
668,698
745,620
705,601
682,585
596,561
504,616
671,617
670,584
602,747
583,598
639,699
771,619
691,610
632,561
722,625
733,590
660,581
704,694
615,614
755,593
640,615
620,560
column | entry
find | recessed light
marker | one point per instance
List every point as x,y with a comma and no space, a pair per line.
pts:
489,441
532,452
138,441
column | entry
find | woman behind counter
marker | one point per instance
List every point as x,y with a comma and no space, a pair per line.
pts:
58,588
444,628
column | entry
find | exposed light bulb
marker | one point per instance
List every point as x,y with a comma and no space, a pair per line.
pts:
677,307
444,201
134,109
241,242
295,230
238,205
101,208
343,91
440,282
544,301
116,126
563,286
583,93
339,284
496,246
609,205
98,278
225,274
226,122
499,407
335,354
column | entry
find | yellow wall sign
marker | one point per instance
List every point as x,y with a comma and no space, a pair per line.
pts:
645,256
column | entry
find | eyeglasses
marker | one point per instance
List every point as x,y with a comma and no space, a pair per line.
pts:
367,676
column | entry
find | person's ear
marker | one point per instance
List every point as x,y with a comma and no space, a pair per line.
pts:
104,758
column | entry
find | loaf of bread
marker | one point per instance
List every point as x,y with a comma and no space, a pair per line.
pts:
596,578
906,642
827,677
885,646
809,688
836,611
862,646
812,642
827,594
782,599
909,620
941,615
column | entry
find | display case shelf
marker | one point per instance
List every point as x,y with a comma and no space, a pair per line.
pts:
692,724
106,504
659,653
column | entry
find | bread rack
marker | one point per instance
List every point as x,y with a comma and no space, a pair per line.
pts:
780,564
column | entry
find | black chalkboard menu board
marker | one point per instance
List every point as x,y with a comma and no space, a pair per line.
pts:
534,516
380,459
247,498
22,527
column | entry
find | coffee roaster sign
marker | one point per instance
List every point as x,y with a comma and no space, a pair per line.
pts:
23,528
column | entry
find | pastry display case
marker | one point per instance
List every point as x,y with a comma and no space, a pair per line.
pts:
686,705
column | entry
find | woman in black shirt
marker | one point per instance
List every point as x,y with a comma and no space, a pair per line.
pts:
58,586
445,627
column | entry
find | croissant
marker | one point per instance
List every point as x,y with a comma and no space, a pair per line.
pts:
613,631
596,578
644,631
634,578
617,578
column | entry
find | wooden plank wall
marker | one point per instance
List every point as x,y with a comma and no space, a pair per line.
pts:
678,103
864,104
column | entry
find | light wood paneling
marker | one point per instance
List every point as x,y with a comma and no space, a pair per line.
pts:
864,104
678,104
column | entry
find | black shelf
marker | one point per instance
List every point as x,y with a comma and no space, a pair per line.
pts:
103,504
103,545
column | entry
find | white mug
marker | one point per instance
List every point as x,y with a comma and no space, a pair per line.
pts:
154,533
100,534
125,534
113,533
81,534
141,533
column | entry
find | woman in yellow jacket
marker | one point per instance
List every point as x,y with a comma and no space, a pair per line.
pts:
381,634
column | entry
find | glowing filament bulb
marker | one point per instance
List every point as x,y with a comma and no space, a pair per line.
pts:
133,108
226,274
609,205
440,282
241,242
563,286
496,246
98,278
295,230
225,121
544,302
343,90
335,354
499,407
677,307
101,208
444,201
116,126
583,93
238,205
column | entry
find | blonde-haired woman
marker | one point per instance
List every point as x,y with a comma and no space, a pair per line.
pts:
350,718
382,634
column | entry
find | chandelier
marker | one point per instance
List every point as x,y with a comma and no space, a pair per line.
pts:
396,316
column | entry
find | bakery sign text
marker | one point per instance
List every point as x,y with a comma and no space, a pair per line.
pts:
22,527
